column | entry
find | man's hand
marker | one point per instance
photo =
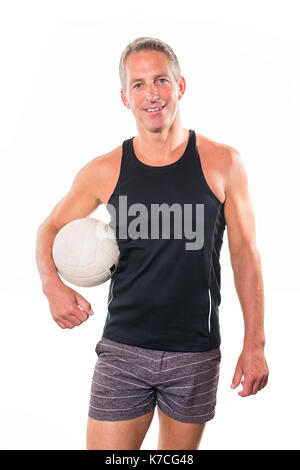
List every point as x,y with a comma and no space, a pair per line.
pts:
68,308
253,366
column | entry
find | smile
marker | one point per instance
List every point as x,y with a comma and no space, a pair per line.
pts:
155,110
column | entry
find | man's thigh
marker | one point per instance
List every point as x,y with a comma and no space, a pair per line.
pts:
177,435
122,400
118,435
186,390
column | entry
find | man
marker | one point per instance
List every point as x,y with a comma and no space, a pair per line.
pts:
161,338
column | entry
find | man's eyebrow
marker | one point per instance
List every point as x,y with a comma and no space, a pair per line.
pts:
141,79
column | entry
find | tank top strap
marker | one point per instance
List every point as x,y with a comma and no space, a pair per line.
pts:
191,151
126,157
125,161
191,160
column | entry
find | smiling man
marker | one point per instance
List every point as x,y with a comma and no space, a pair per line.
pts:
161,340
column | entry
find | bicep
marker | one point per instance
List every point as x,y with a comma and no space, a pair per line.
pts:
80,201
238,209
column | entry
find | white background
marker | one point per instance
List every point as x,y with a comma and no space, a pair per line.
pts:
61,107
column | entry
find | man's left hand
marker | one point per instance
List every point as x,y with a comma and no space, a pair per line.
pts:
253,366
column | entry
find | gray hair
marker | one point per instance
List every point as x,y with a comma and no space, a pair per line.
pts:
151,44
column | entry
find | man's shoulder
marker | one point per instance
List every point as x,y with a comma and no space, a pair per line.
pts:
104,166
104,170
207,144
220,163
220,156
108,159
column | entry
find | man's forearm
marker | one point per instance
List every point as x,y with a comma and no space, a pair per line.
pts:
248,280
46,267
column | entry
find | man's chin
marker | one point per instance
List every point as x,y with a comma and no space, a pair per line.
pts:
155,128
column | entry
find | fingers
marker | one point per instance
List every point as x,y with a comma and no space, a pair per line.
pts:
247,387
256,386
263,382
74,317
237,377
64,323
260,383
84,304
254,370
79,313
252,385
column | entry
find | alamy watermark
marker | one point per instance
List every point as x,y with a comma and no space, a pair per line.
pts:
180,227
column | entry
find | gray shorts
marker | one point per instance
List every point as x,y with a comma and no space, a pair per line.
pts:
128,381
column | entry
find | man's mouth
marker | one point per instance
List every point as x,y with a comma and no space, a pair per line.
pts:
155,110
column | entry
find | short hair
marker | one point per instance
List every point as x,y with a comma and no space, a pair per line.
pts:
150,44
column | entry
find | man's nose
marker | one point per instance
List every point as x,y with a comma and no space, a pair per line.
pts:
152,93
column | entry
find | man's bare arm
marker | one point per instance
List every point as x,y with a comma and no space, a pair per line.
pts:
80,201
246,265
68,307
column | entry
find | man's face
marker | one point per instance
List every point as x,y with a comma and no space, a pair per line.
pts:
151,84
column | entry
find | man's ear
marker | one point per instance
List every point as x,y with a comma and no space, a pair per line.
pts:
182,87
124,99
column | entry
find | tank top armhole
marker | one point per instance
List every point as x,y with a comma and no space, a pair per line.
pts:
210,191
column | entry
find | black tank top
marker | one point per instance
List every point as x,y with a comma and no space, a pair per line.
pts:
164,295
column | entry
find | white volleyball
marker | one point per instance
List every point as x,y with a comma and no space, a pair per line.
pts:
85,252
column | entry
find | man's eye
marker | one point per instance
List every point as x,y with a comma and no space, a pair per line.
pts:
164,79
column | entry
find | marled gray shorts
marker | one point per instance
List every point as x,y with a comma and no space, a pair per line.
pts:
128,381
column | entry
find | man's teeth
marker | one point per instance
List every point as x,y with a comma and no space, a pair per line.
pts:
154,109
